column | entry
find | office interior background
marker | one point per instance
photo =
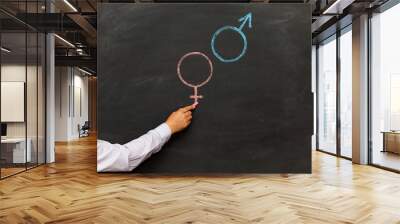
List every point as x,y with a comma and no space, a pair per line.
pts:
48,82
40,71
70,52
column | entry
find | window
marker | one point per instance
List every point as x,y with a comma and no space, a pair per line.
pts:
314,91
346,92
327,95
334,106
385,89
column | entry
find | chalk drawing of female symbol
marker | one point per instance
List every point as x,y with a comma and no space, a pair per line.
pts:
195,87
243,20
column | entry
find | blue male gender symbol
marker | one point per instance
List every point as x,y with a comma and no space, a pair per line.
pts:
244,20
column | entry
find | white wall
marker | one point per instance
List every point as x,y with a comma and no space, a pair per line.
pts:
80,110
71,93
13,73
16,73
13,101
62,81
33,127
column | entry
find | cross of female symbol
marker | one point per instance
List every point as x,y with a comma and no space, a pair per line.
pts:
195,95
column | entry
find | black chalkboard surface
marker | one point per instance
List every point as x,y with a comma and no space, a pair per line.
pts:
256,112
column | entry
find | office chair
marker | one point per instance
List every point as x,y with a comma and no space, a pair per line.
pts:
84,130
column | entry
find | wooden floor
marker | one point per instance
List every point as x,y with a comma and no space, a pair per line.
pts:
70,191
5,172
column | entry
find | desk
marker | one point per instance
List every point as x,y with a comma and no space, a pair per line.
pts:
16,148
391,141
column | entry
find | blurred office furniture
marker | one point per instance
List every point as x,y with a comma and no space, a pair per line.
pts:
391,141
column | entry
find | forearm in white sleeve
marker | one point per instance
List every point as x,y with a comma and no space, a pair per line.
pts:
118,158
143,147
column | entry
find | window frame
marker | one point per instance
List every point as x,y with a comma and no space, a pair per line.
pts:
335,36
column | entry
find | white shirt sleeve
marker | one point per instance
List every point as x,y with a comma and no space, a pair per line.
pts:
122,158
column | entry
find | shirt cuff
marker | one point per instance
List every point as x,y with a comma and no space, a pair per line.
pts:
164,131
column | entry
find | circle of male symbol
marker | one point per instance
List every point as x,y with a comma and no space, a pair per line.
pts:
195,87
226,28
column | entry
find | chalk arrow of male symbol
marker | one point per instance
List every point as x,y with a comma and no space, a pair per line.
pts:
247,19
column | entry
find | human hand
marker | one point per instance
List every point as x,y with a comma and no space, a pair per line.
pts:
180,119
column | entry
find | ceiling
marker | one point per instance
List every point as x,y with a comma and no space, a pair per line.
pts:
76,22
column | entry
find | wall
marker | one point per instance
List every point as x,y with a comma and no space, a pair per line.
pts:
33,127
16,73
62,81
71,102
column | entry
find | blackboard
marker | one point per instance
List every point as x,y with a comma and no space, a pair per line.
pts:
256,115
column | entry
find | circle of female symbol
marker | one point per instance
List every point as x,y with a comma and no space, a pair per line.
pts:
195,95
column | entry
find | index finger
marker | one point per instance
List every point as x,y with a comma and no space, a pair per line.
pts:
187,108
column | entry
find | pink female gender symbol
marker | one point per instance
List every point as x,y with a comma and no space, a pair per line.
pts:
195,87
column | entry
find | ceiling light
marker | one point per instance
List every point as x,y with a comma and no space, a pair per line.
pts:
338,6
5,50
70,5
79,51
331,7
84,71
65,41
